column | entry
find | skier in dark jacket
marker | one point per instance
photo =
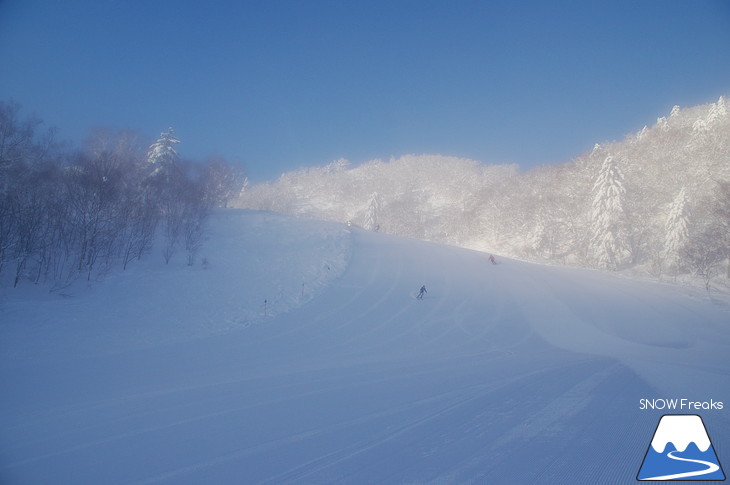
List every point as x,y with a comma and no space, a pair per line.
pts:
421,292
491,259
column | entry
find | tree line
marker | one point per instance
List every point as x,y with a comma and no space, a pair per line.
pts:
657,202
69,213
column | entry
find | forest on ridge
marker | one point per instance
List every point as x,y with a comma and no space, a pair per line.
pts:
657,202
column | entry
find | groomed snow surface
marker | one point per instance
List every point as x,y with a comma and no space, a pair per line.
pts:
509,373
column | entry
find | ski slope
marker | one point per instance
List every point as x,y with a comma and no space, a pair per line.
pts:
508,373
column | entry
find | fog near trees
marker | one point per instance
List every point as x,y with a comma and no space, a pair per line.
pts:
68,213
657,202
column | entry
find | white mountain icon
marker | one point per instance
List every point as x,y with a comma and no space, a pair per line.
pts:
670,456
681,430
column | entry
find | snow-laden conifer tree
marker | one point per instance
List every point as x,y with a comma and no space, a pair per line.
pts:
608,232
702,127
717,112
162,154
373,214
172,192
677,233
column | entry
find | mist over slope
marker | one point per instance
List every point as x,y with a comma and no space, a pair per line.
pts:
252,268
507,373
680,166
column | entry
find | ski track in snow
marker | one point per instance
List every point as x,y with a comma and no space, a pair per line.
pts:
510,373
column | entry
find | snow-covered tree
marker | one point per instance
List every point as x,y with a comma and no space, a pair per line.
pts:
222,181
608,242
162,154
372,215
722,216
677,233
537,238
717,112
709,247
702,127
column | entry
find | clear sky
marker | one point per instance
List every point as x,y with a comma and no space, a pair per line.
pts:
279,85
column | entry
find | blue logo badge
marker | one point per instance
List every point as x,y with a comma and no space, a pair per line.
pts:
681,450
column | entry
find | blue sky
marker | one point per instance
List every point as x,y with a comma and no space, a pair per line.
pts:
278,85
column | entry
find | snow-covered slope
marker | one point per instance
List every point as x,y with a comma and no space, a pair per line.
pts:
253,267
508,373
